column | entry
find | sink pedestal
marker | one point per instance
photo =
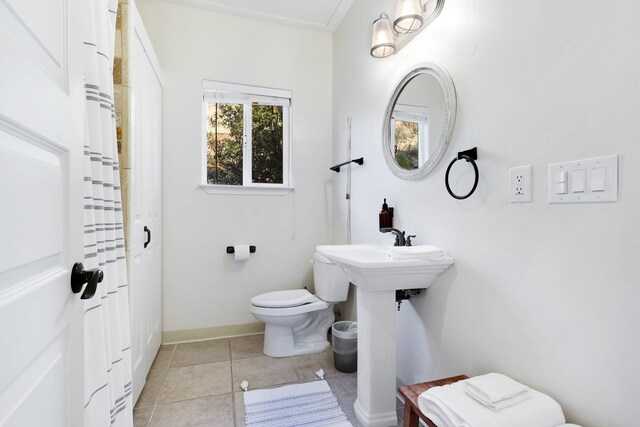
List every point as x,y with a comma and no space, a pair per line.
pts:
376,402
377,276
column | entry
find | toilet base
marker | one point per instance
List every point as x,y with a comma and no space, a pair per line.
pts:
307,338
278,342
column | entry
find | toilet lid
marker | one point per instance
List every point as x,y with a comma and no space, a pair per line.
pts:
280,299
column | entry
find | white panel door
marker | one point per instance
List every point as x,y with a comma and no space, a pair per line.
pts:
41,213
145,289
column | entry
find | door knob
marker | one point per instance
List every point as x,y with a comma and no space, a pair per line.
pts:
80,276
148,233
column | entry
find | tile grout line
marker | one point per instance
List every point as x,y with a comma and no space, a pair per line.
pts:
153,411
295,369
233,394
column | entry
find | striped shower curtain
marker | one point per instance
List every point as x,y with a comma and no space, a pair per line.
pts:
107,350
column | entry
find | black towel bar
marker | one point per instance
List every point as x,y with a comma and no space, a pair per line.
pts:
336,168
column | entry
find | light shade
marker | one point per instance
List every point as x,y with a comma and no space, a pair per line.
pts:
382,41
408,16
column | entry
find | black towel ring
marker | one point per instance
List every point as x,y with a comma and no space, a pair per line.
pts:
470,156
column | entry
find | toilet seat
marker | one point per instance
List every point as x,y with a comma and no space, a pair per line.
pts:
283,299
289,311
286,303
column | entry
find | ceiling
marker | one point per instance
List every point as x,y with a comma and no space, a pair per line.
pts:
318,15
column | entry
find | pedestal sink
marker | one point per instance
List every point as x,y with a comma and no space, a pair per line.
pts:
377,277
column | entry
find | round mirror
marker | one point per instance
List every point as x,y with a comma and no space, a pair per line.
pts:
419,121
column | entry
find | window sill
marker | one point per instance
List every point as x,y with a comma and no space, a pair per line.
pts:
237,190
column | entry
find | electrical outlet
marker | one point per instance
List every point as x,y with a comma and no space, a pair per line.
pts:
520,184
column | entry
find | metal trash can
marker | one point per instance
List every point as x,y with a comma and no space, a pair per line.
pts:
345,346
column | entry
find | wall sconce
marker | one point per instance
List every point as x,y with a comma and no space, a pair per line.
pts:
412,16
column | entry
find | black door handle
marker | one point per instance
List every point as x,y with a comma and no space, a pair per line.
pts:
148,232
80,276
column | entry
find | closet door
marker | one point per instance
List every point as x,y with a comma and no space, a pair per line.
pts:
146,226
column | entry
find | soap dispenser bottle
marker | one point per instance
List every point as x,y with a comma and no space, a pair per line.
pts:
386,216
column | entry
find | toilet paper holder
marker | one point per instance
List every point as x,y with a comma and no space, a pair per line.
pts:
230,249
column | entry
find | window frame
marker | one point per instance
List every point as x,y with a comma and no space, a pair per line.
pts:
246,95
419,116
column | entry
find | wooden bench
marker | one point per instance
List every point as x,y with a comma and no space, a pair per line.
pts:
410,394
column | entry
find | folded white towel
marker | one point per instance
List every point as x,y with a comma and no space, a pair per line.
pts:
500,404
438,417
493,387
425,252
452,404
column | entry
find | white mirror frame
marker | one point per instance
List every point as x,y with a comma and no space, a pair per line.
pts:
449,90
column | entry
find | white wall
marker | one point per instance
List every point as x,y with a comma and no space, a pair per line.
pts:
549,294
203,287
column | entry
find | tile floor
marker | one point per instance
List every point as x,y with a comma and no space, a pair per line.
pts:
198,384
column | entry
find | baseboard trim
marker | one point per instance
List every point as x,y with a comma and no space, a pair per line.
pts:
202,334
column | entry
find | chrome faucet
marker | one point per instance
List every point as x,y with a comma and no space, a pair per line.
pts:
400,240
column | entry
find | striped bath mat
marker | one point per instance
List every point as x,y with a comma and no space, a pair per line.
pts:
309,404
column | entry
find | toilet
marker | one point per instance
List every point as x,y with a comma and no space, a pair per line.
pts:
296,321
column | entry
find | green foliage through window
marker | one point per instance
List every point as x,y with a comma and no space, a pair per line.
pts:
225,137
267,144
406,144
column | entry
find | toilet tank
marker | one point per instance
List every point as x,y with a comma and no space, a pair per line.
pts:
329,281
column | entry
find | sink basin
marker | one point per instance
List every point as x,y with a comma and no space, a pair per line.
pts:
370,267
377,277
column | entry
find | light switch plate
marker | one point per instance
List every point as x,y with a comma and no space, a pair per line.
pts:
520,184
588,180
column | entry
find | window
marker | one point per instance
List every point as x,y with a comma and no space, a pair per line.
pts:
246,139
410,135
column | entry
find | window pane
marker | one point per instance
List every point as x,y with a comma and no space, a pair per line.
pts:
225,137
267,144
406,149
